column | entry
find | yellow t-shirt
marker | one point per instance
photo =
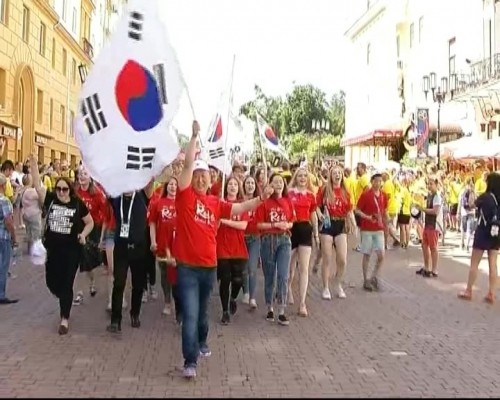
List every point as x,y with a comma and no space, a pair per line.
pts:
454,190
361,184
390,191
9,191
480,186
350,184
406,200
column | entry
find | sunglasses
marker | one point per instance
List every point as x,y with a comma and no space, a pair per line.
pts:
62,189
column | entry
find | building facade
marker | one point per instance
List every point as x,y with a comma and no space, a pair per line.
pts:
394,44
40,53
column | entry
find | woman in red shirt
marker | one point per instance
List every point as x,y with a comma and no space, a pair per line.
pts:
335,211
232,252
95,201
304,204
162,218
275,218
252,239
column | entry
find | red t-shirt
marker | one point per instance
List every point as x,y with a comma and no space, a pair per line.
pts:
303,203
252,224
162,213
370,204
275,210
216,188
339,206
197,221
231,242
96,203
109,217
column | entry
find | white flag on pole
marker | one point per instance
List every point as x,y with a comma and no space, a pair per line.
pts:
268,138
128,102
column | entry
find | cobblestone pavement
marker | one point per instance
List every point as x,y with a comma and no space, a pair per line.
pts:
413,339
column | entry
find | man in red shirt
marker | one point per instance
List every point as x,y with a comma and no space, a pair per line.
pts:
195,249
372,209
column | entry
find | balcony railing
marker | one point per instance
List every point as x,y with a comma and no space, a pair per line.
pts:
88,49
482,73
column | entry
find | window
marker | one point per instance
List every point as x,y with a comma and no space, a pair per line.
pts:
43,38
51,114
398,47
71,119
4,11
26,24
420,29
451,56
3,87
53,53
63,119
73,23
412,34
368,48
39,106
65,62
64,13
73,71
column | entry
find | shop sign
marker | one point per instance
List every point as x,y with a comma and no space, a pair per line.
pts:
40,140
7,131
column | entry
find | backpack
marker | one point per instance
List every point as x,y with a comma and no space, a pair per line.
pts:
468,200
493,226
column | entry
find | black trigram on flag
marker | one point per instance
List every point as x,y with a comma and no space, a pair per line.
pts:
93,115
216,153
135,26
159,71
140,158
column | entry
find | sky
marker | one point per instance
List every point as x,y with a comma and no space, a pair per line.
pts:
275,43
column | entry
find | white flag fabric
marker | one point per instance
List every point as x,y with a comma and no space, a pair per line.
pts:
217,143
268,137
128,102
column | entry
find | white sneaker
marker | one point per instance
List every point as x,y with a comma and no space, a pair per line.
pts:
78,299
326,294
108,307
167,310
253,303
340,293
246,298
145,296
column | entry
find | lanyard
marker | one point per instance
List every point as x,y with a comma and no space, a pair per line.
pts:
129,210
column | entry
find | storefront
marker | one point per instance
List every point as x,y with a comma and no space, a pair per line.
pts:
41,143
9,133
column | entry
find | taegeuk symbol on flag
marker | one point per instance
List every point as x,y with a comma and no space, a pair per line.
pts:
128,102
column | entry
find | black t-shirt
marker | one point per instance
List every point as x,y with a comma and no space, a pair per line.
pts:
64,220
138,217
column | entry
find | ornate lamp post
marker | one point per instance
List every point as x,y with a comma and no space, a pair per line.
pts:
319,126
429,83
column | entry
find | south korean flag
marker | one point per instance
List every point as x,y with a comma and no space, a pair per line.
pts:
128,102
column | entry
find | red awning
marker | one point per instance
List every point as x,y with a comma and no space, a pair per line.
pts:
376,137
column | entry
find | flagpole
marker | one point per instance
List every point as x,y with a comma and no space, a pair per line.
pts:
264,161
227,126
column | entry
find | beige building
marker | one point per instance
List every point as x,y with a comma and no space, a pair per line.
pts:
39,78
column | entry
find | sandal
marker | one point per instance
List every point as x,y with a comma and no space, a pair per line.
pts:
434,274
465,295
303,311
490,298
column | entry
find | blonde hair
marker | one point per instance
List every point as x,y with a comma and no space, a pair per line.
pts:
293,181
329,193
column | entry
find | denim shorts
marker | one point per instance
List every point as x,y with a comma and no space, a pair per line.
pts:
109,238
372,241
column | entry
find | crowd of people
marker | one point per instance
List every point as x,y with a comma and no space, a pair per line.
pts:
198,228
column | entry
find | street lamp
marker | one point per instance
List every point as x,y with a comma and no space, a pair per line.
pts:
429,83
319,126
82,70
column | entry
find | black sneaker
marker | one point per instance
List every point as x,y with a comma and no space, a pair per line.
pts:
283,320
368,286
420,271
135,322
233,307
270,316
226,319
114,327
178,319
93,291
8,301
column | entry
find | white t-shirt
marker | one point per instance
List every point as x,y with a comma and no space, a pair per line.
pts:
17,177
438,201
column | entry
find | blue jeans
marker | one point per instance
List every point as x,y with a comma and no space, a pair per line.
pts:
275,251
194,286
5,254
250,278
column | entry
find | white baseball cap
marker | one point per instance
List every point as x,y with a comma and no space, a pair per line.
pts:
200,165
